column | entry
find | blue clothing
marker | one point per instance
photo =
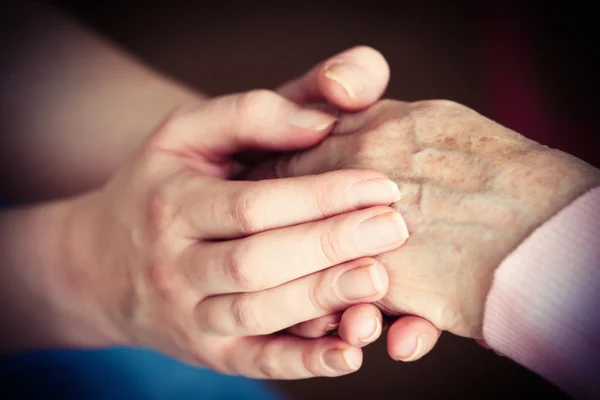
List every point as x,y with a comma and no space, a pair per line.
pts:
119,373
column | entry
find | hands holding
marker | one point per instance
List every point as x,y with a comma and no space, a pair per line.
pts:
172,255
249,276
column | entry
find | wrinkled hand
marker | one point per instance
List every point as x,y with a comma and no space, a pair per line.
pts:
471,191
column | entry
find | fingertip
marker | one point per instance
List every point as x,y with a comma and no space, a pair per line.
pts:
343,84
354,79
310,126
361,325
342,360
354,358
381,280
410,338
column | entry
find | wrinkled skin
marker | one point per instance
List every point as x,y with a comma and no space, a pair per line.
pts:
472,190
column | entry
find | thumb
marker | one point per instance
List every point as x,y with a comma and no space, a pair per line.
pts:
351,80
411,337
226,125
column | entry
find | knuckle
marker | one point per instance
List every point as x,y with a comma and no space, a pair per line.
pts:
161,210
268,366
255,103
225,357
311,362
197,354
330,247
245,212
162,278
169,126
245,316
239,269
323,200
318,294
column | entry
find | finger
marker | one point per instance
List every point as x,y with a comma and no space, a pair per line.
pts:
277,256
351,80
258,119
339,149
318,327
361,325
410,338
290,357
217,209
327,156
313,296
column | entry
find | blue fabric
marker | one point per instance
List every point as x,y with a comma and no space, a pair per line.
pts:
119,373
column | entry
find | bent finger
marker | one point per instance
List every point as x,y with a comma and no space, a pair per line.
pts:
351,80
410,338
269,259
307,298
361,325
290,357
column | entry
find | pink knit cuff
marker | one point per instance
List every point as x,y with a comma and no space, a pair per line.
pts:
543,310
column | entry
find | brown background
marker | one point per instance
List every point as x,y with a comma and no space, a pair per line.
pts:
435,51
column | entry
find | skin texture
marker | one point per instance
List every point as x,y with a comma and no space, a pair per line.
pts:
471,191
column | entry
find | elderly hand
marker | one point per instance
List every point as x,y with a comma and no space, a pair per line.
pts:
471,191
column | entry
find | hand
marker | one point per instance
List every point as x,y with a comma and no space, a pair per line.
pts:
350,81
472,190
172,256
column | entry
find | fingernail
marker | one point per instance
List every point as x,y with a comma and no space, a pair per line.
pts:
311,119
341,360
373,191
331,327
360,283
371,329
348,76
383,232
418,352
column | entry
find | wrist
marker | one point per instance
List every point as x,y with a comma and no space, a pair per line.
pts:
40,305
563,180
30,245
541,311
80,288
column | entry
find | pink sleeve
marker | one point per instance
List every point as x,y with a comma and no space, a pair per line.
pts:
543,310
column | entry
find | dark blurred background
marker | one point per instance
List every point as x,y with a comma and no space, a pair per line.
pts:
529,67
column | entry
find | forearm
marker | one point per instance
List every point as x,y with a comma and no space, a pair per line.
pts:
39,304
73,105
